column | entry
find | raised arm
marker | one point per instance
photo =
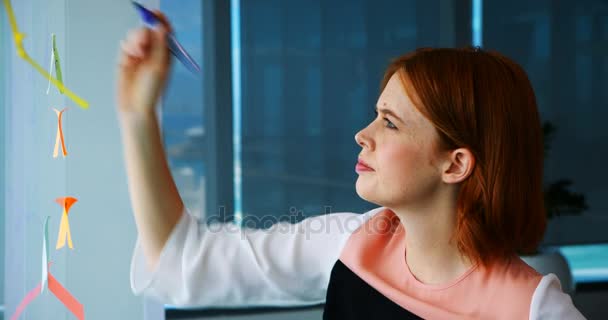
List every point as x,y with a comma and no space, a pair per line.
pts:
181,262
144,64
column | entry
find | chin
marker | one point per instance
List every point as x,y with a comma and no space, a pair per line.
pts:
365,192
370,193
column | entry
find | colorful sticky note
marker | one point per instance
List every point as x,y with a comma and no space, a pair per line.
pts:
29,297
66,297
55,286
51,66
55,63
60,293
59,137
64,225
45,254
18,39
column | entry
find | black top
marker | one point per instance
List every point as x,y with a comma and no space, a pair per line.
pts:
351,298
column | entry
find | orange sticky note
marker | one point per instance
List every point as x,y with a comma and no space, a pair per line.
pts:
64,225
59,138
66,297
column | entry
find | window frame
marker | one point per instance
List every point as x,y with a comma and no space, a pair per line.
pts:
217,85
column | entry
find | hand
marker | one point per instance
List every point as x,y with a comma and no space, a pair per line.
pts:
144,64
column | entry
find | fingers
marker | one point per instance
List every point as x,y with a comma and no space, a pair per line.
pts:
160,51
136,46
166,25
139,41
127,57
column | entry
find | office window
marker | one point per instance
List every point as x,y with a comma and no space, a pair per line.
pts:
182,110
310,75
561,46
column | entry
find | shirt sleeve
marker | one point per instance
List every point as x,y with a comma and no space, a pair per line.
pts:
550,302
222,265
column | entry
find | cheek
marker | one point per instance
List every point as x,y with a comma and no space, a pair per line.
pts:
400,160
404,168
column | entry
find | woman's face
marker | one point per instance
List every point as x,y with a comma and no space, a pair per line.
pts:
400,145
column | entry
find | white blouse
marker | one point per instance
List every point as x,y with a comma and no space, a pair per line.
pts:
222,265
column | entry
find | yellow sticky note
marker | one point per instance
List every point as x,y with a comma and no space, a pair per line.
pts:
64,232
64,225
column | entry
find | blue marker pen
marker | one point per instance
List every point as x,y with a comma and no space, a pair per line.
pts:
175,47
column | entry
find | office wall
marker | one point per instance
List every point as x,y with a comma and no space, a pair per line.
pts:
3,89
96,271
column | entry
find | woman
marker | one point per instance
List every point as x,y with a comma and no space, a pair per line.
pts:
454,159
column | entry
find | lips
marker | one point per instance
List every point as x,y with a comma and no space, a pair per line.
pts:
361,164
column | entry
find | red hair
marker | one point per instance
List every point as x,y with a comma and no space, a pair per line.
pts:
483,101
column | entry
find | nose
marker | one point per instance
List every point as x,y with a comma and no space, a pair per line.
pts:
363,140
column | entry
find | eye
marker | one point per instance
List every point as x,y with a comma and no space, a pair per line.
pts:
389,124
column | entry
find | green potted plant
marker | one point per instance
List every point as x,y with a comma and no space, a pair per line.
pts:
559,200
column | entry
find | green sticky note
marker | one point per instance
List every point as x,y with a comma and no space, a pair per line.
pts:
57,64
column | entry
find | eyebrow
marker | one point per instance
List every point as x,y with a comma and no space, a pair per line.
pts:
389,112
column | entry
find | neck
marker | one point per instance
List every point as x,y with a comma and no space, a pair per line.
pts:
433,258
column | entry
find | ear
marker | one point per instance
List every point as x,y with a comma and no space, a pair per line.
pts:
459,166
